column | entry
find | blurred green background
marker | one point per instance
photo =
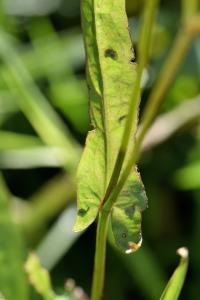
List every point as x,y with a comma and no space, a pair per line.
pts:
43,124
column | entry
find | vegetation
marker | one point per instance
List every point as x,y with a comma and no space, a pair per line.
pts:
44,121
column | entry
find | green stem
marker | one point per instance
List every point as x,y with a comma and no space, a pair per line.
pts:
131,122
114,188
168,73
176,56
130,127
189,9
165,80
100,255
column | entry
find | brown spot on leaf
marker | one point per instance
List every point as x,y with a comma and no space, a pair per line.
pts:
111,53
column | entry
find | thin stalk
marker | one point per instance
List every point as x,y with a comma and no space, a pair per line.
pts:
100,255
131,122
189,9
131,126
170,122
168,73
176,56
114,188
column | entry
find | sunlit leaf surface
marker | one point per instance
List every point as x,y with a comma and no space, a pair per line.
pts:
110,75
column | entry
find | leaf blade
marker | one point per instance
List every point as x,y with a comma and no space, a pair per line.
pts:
39,278
127,214
13,283
110,76
175,284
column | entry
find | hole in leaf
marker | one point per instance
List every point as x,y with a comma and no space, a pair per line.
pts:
121,118
82,212
111,53
132,60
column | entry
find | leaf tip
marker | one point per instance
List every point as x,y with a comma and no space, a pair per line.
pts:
77,227
81,224
133,247
84,218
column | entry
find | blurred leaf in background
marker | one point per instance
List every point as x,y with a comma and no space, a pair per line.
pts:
13,284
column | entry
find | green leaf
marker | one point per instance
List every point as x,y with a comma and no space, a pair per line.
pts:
33,104
63,53
75,105
188,177
13,284
42,156
175,284
126,215
110,76
7,104
12,140
39,278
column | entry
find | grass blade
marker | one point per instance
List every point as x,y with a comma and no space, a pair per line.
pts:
13,284
33,104
12,140
59,239
39,278
40,156
175,284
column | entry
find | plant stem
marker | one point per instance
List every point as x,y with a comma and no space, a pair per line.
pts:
176,56
189,9
168,73
166,78
170,122
130,127
132,118
100,255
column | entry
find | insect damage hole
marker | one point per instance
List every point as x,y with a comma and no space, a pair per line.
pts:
111,53
132,60
122,118
82,212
